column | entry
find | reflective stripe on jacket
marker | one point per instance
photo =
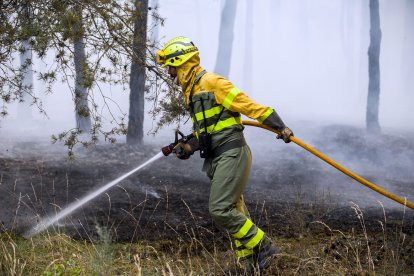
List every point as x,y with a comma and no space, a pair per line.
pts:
229,96
210,116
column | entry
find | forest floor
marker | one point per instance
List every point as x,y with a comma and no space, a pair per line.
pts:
157,219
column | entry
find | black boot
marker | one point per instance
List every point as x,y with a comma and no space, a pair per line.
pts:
264,257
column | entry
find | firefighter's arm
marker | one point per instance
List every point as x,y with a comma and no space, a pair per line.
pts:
235,100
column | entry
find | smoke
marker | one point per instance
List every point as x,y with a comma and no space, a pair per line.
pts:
310,57
309,62
288,172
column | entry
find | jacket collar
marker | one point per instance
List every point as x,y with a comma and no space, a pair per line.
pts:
186,74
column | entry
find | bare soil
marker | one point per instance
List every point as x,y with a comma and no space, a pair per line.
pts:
289,194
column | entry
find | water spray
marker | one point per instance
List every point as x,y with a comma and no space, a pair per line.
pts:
49,221
167,150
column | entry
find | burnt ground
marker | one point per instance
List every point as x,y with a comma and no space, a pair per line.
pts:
290,190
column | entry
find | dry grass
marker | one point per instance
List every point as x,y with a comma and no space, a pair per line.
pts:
324,252
59,254
332,253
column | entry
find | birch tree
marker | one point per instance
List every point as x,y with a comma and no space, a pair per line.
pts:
26,62
372,121
155,21
83,118
408,46
93,42
137,78
226,35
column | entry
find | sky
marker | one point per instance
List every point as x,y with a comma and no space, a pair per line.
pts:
309,60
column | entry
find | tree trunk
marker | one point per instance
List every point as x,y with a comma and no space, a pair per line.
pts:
137,79
83,118
228,15
374,68
154,28
26,67
408,46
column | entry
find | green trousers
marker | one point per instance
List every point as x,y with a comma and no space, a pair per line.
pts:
229,175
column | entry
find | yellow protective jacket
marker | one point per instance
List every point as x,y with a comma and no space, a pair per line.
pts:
225,93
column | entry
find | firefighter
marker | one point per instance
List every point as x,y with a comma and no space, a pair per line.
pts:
215,105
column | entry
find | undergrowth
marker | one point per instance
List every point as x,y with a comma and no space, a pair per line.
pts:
326,252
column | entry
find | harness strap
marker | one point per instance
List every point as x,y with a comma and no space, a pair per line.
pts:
204,115
199,76
228,146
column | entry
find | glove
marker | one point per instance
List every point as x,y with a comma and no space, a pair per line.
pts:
285,135
184,150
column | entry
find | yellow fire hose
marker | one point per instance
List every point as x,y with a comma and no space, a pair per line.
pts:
338,166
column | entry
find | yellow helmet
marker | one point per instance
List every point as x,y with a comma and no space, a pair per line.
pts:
177,51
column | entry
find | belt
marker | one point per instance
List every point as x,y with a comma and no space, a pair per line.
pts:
228,146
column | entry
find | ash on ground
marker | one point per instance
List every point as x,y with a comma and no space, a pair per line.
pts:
289,189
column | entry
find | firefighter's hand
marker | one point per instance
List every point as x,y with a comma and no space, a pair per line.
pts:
285,135
183,151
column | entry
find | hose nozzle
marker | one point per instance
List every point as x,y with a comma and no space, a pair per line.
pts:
167,149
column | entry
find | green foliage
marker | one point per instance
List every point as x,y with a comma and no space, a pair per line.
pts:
88,76
168,102
67,267
331,253
104,254
71,25
107,28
